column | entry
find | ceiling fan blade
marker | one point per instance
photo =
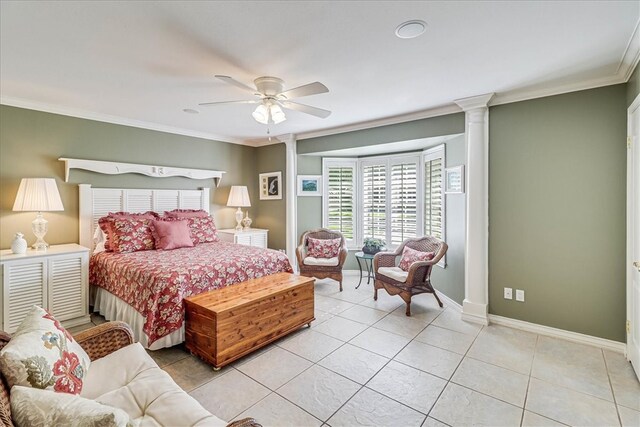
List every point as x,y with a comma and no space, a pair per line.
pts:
250,101
237,84
304,90
314,111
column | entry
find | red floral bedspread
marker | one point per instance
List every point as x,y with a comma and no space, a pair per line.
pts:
155,282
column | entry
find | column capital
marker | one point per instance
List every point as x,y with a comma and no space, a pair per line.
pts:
288,139
474,102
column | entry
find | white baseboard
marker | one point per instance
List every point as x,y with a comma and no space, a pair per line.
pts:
606,344
449,302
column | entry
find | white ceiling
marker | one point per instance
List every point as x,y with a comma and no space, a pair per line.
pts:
142,63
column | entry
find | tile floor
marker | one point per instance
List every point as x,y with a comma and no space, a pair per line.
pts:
365,363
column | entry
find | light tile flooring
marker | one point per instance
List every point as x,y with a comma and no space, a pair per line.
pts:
365,363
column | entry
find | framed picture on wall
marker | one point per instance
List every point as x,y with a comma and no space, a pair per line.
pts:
270,186
309,185
454,180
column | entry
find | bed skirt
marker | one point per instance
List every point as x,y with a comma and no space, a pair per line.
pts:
113,308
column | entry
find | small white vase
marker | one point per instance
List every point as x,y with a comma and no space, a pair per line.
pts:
19,245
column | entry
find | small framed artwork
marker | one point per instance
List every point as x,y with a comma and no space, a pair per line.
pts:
309,185
454,180
270,186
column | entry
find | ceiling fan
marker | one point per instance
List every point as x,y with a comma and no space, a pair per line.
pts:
272,97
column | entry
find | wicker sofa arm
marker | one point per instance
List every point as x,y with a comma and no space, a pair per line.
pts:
301,253
104,339
384,259
245,422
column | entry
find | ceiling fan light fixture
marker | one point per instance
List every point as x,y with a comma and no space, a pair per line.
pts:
261,114
277,115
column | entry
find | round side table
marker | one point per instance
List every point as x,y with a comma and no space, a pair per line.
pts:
367,259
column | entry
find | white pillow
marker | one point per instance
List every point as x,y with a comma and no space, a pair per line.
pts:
42,354
41,408
99,239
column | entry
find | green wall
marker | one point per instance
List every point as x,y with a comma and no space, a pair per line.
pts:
31,143
450,280
272,214
557,197
633,86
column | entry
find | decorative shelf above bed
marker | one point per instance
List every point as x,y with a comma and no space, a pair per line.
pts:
116,168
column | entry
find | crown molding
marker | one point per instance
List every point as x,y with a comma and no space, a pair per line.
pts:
473,102
631,55
91,115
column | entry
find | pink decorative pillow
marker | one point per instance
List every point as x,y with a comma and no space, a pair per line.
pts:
186,213
203,229
171,234
106,223
323,248
131,235
409,256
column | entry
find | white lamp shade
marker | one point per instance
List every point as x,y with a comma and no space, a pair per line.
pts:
239,197
38,194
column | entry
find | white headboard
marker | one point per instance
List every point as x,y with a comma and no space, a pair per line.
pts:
98,202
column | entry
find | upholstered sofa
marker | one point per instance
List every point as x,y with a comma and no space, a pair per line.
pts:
123,375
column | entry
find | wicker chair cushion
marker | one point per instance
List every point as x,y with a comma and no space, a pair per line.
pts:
409,256
42,354
394,273
130,380
323,248
35,407
328,262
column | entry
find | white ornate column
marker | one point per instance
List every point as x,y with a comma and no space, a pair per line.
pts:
291,198
476,270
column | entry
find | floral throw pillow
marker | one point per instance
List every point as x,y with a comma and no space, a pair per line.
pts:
323,248
106,223
409,256
203,230
132,235
42,408
42,354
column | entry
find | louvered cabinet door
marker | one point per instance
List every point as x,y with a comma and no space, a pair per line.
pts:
259,240
243,239
24,284
68,286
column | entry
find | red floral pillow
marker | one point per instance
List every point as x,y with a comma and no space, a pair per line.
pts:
409,256
131,235
106,223
203,230
186,213
323,248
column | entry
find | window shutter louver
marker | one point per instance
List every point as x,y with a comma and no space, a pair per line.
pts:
340,200
404,181
374,201
433,197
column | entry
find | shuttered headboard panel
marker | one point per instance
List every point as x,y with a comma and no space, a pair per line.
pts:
98,202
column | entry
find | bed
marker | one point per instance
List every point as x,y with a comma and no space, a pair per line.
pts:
146,288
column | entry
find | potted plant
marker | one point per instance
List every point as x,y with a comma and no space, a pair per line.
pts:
373,246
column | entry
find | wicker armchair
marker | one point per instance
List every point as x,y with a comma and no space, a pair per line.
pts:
321,271
418,280
98,342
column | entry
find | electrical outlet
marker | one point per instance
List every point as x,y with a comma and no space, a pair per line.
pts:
508,293
519,295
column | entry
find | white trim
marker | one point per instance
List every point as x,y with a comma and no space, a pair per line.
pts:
630,225
535,328
117,168
118,120
340,162
291,200
631,54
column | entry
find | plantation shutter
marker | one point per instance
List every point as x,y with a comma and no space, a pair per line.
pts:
404,207
433,197
340,207
374,201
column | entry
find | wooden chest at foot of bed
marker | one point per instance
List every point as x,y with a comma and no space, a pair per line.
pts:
225,324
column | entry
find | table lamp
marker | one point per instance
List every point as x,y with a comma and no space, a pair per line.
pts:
239,197
38,195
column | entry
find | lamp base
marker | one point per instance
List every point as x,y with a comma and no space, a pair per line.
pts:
239,219
40,228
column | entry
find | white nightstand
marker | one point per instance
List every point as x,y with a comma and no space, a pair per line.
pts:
56,279
251,237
